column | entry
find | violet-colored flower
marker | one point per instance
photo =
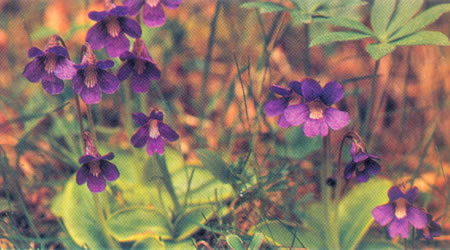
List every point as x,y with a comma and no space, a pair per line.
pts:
95,169
92,78
315,111
276,107
152,131
362,163
153,13
400,212
142,67
110,29
50,66
433,229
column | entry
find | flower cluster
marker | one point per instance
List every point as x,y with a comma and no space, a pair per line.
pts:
362,163
153,13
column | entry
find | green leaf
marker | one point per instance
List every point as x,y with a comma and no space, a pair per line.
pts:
355,210
379,244
338,36
215,164
298,146
285,236
191,221
378,50
423,38
153,243
380,15
403,13
77,210
135,223
235,242
420,21
264,7
346,23
256,242
299,17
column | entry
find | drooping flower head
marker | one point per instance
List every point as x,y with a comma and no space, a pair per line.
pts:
95,169
140,65
110,29
276,107
52,66
315,112
92,78
400,212
362,163
152,131
433,229
153,13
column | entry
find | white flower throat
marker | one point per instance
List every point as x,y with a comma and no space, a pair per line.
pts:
50,62
400,208
154,130
152,3
90,76
316,109
112,26
94,168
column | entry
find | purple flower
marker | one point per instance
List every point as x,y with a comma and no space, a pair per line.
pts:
399,213
153,14
95,169
92,79
152,131
110,29
315,111
362,163
275,107
52,66
141,65
432,229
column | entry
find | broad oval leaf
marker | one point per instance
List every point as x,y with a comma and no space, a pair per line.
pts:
135,223
153,243
403,13
282,235
338,36
355,210
423,38
235,242
215,164
420,21
256,242
380,15
379,244
378,50
192,220
264,7
299,17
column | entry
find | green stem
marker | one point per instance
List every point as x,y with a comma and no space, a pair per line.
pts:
167,181
101,218
306,54
365,121
91,123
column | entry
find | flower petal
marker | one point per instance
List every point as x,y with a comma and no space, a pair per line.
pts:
34,70
296,86
275,107
349,169
417,217
399,227
140,118
394,193
59,51
280,90
110,171
105,64
336,119
383,214
282,122
313,127
33,52
119,11
96,184
133,6
310,89
159,143
125,71
373,167
130,27
154,16
109,156
96,36
97,15
108,82
52,84
151,146
78,84
65,69
126,56
140,83
86,158
156,115
91,95
296,114
362,176
140,137
167,132
116,45
82,174
359,157
152,70
172,4
412,194
332,93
